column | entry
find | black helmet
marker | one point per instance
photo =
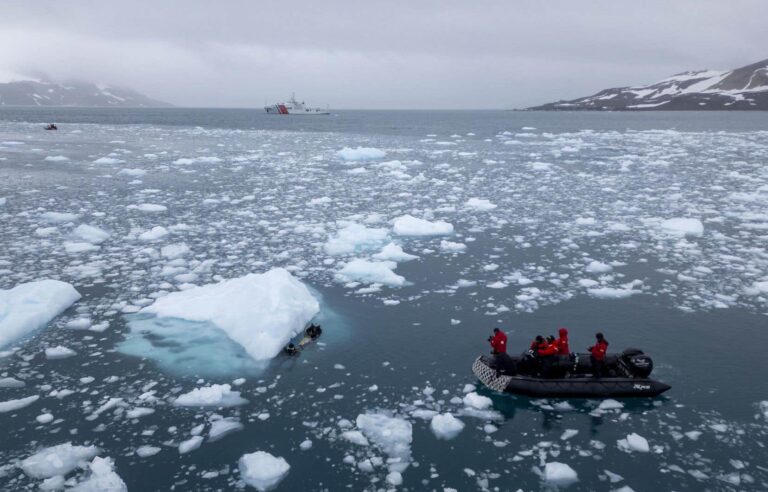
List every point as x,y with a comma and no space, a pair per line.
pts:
599,336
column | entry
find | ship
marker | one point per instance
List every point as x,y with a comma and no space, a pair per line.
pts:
294,107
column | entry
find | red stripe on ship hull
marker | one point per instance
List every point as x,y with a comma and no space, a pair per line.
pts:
282,108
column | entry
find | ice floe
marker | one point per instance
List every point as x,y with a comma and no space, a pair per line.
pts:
27,307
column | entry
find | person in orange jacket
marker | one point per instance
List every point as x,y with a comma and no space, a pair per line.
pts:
597,356
562,342
498,342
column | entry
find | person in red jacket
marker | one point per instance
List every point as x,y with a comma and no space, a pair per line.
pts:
597,356
562,342
498,342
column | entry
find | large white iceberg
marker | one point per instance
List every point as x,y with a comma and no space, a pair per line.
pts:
262,470
29,306
261,312
408,225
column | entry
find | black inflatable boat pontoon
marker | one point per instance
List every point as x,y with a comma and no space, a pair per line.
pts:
569,375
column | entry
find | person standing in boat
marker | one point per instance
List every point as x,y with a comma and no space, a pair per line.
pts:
597,356
498,342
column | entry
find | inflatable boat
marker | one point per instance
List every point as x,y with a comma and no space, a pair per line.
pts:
569,376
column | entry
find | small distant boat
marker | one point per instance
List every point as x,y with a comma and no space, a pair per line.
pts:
51,126
294,107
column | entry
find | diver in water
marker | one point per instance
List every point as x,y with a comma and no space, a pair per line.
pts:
291,349
597,356
313,331
498,342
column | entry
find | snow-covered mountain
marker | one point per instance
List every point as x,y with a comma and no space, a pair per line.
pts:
744,88
44,93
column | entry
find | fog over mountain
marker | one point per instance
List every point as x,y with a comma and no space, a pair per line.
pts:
375,54
80,94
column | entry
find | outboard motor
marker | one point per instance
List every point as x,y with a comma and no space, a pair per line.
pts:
639,364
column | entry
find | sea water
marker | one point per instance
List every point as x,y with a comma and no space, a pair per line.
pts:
570,226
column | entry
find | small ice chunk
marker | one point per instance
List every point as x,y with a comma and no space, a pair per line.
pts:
378,272
262,470
190,444
102,478
479,204
29,306
610,404
355,238
556,473
57,460
11,383
394,252
446,426
355,437
634,442
224,427
392,435
44,418
360,154
216,395
157,232
394,478
59,352
147,451
305,445
408,225
13,405
138,412
598,267
568,433
476,401
682,227
91,234
452,247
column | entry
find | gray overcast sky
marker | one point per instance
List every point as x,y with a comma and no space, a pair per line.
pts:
376,54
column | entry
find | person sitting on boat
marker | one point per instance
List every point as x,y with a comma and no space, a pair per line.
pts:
597,356
545,353
562,342
498,342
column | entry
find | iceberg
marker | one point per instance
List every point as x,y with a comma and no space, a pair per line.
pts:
29,306
261,312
